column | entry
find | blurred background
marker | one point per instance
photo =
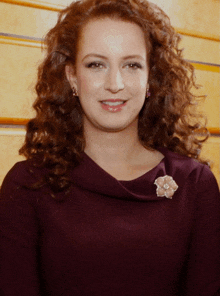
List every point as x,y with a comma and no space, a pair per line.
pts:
23,24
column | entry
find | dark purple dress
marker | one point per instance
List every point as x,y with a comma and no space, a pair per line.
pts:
109,237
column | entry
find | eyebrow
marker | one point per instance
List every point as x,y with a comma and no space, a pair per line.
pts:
105,58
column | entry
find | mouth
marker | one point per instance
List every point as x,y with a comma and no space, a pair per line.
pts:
113,102
113,105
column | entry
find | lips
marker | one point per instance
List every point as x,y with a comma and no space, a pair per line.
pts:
113,105
113,101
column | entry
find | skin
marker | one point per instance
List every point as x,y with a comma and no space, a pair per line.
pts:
111,63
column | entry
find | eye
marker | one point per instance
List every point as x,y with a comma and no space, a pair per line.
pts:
95,65
134,66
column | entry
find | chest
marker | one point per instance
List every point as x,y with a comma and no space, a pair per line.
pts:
103,244
92,222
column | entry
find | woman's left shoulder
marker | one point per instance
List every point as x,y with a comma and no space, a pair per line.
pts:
188,170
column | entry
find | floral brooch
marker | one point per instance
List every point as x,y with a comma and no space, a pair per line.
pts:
166,186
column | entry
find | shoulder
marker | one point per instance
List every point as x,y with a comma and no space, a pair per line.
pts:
22,175
24,171
189,171
181,163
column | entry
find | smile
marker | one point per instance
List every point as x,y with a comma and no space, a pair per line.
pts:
113,105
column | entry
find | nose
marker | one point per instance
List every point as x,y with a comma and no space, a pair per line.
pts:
114,81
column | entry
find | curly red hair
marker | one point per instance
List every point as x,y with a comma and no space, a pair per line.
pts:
55,136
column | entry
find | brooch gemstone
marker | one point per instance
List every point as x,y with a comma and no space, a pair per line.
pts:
166,186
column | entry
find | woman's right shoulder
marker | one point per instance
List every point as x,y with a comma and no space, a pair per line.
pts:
22,175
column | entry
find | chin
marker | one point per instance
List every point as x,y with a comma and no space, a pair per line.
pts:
111,125
113,129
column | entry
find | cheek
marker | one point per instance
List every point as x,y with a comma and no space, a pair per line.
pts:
83,84
138,80
88,84
139,86
143,82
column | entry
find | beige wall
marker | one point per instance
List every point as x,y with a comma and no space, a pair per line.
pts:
19,60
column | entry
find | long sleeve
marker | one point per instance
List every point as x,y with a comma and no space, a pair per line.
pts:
203,277
18,240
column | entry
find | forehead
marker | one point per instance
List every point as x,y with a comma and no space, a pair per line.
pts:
112,36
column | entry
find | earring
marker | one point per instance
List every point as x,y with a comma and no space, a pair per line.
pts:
75,94
148,93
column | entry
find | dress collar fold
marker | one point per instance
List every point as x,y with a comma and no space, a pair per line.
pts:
90,176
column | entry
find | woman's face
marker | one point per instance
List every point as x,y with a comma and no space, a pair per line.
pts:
111,74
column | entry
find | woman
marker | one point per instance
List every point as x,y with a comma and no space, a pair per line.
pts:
113,198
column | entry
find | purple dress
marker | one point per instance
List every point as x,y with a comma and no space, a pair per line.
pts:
111,238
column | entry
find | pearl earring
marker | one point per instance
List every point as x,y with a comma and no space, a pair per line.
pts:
75,94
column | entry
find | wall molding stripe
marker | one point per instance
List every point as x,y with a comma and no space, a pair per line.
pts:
204,63
10,122
204,67
23,37
57,7
20,41
13,121
198,34
36,4
214,130
12,132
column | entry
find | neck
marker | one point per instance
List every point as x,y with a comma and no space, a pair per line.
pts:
112,147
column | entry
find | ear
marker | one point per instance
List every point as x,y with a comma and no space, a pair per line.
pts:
71,77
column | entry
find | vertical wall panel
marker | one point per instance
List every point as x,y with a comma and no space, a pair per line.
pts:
28,21
209,106
202,16
199,49
18,74
10,142
211,152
